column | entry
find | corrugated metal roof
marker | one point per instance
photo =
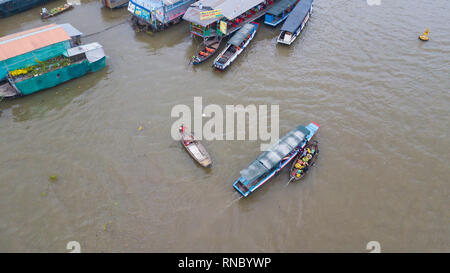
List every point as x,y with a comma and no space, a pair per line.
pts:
29,40
230,9
296,16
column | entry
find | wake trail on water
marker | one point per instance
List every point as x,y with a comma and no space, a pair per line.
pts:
235,198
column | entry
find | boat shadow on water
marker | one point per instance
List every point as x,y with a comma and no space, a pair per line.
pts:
170,37
36,105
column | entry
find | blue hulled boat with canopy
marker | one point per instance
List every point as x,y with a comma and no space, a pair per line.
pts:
295,22
274,159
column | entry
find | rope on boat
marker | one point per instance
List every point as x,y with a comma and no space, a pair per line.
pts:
106,29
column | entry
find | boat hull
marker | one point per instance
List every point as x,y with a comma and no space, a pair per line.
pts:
275,23
280,39
58,76
238,52
245,190
311,162
66,7
12,7
195,149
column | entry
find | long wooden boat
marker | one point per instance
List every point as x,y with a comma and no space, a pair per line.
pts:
55,11
236,45
274,159
279,12
114,3
209,48
304,161
195,149
295,22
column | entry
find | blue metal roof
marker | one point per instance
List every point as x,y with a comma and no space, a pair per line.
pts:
295,18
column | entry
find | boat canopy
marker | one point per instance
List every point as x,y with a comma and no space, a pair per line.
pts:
242,33
296,17
253,171
270,158
279,7
93,51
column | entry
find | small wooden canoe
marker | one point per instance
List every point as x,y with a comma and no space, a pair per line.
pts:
304,161
195,148
55,11
209,48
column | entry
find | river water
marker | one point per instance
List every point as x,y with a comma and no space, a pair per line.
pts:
380,95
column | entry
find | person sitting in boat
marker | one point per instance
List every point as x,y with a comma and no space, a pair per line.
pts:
44,11
188,139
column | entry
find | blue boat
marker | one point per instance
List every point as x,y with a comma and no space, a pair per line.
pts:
11,7
274,159
236,45
279,12
295,22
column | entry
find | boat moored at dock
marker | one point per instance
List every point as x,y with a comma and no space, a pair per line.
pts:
274,159
11,7
236,45
209,48
279,12
295,22
195,149
44,57
157,15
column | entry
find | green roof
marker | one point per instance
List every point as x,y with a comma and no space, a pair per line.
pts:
242,33
281,6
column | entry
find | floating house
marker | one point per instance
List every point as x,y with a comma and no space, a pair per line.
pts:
44,57
114,3
156,15
223,17
11,7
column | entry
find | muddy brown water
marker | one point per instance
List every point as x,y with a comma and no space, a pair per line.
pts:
380,95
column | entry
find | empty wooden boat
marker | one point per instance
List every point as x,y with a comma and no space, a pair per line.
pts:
295,22
236,45
304,161
194,148
209,48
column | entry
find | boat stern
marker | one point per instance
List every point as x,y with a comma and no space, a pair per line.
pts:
240,187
